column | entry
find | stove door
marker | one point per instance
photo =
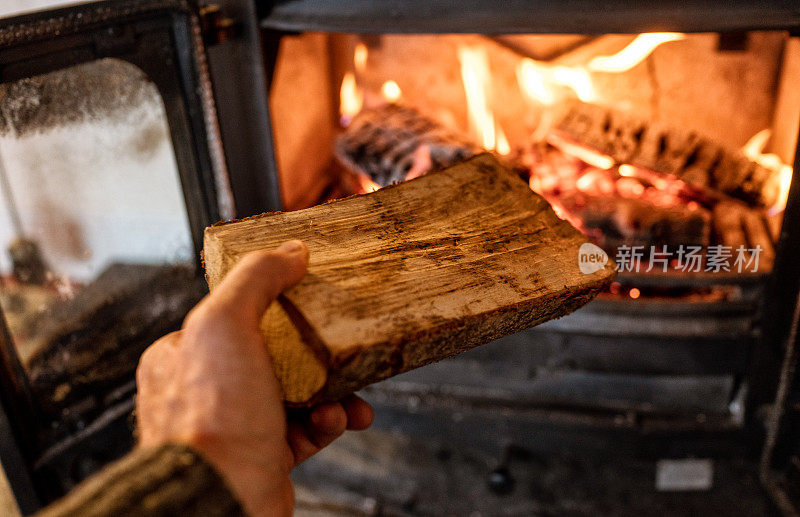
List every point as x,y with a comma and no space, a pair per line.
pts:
111,164
780,462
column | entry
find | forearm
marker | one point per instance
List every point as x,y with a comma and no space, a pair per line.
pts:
166,480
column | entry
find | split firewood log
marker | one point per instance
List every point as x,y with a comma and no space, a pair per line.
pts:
411,274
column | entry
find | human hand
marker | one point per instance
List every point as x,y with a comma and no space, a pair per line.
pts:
212,386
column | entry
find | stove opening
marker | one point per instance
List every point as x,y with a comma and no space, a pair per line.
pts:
670,151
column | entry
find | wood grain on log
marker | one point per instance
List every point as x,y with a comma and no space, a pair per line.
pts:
410,274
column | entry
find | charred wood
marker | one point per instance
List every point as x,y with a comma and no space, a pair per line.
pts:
684,154
615,221
392,142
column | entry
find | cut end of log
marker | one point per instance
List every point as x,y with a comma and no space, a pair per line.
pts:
409,275
301,373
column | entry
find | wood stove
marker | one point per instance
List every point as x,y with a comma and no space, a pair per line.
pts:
287,104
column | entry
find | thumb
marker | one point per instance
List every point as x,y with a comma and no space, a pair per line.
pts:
258,278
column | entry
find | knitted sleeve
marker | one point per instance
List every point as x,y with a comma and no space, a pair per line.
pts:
168,480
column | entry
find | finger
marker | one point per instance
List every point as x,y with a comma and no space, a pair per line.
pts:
259,278
327,420
359,413
300,442
156,359
308,435
154,373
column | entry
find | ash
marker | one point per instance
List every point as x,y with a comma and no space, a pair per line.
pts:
103,89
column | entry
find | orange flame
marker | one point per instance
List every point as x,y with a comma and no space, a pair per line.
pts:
503,148
351,98
539,81
576,79
641,47
360,57
391,91
476,77
534,83
754,149
755,146
367,185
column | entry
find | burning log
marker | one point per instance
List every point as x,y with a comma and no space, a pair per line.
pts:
737,225
683,154
392,143
409,275
634,222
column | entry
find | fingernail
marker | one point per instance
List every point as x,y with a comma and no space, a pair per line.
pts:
293,246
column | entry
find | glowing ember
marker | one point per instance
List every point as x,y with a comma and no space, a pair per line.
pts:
754,149
590,156
634,53
360,57
634,293
351,98
391,91
367,185
476,76
630,188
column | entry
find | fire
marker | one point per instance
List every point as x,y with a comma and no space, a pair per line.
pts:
577,79
755,146
541,82
634,53
475,75
360,57
533,82
783,196
367,185
754,149
503,147
590,156
391,91
351,98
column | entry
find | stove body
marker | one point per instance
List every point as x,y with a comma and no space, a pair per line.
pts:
643,372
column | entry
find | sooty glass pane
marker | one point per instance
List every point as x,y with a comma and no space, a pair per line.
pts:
97,259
